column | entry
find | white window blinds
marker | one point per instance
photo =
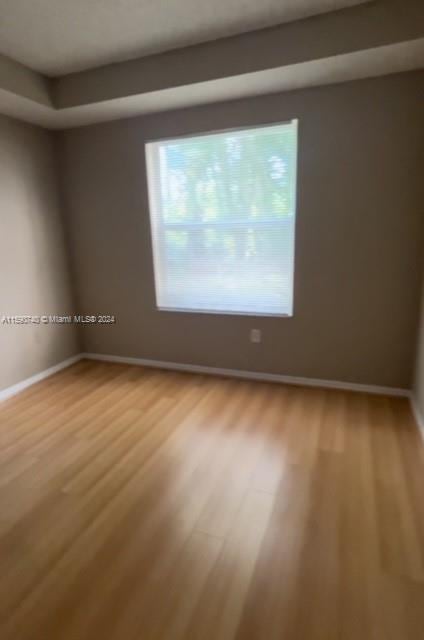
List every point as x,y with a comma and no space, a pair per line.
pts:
222,211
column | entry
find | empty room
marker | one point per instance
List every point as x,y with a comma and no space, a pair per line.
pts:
212,320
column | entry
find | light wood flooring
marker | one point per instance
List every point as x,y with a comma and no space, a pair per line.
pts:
138,504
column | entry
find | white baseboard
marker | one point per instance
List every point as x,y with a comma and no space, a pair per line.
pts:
20,386
417,414
216,371
251,375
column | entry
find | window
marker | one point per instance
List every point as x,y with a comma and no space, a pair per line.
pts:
222,210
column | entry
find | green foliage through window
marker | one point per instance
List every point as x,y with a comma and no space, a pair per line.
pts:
222,210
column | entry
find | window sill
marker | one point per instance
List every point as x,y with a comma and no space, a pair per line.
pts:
225,313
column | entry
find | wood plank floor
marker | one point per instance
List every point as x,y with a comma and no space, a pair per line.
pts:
141,504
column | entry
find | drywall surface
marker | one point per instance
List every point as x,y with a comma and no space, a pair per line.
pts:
419,371
34,277
358,242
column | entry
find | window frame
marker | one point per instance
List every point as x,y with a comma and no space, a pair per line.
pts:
152,207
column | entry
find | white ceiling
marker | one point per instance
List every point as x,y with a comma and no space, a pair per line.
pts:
395,58
404,56
56,37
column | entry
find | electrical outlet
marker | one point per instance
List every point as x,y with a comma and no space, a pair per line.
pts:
255,335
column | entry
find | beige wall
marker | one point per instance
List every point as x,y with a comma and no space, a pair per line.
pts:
358,249
33,267
419,371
